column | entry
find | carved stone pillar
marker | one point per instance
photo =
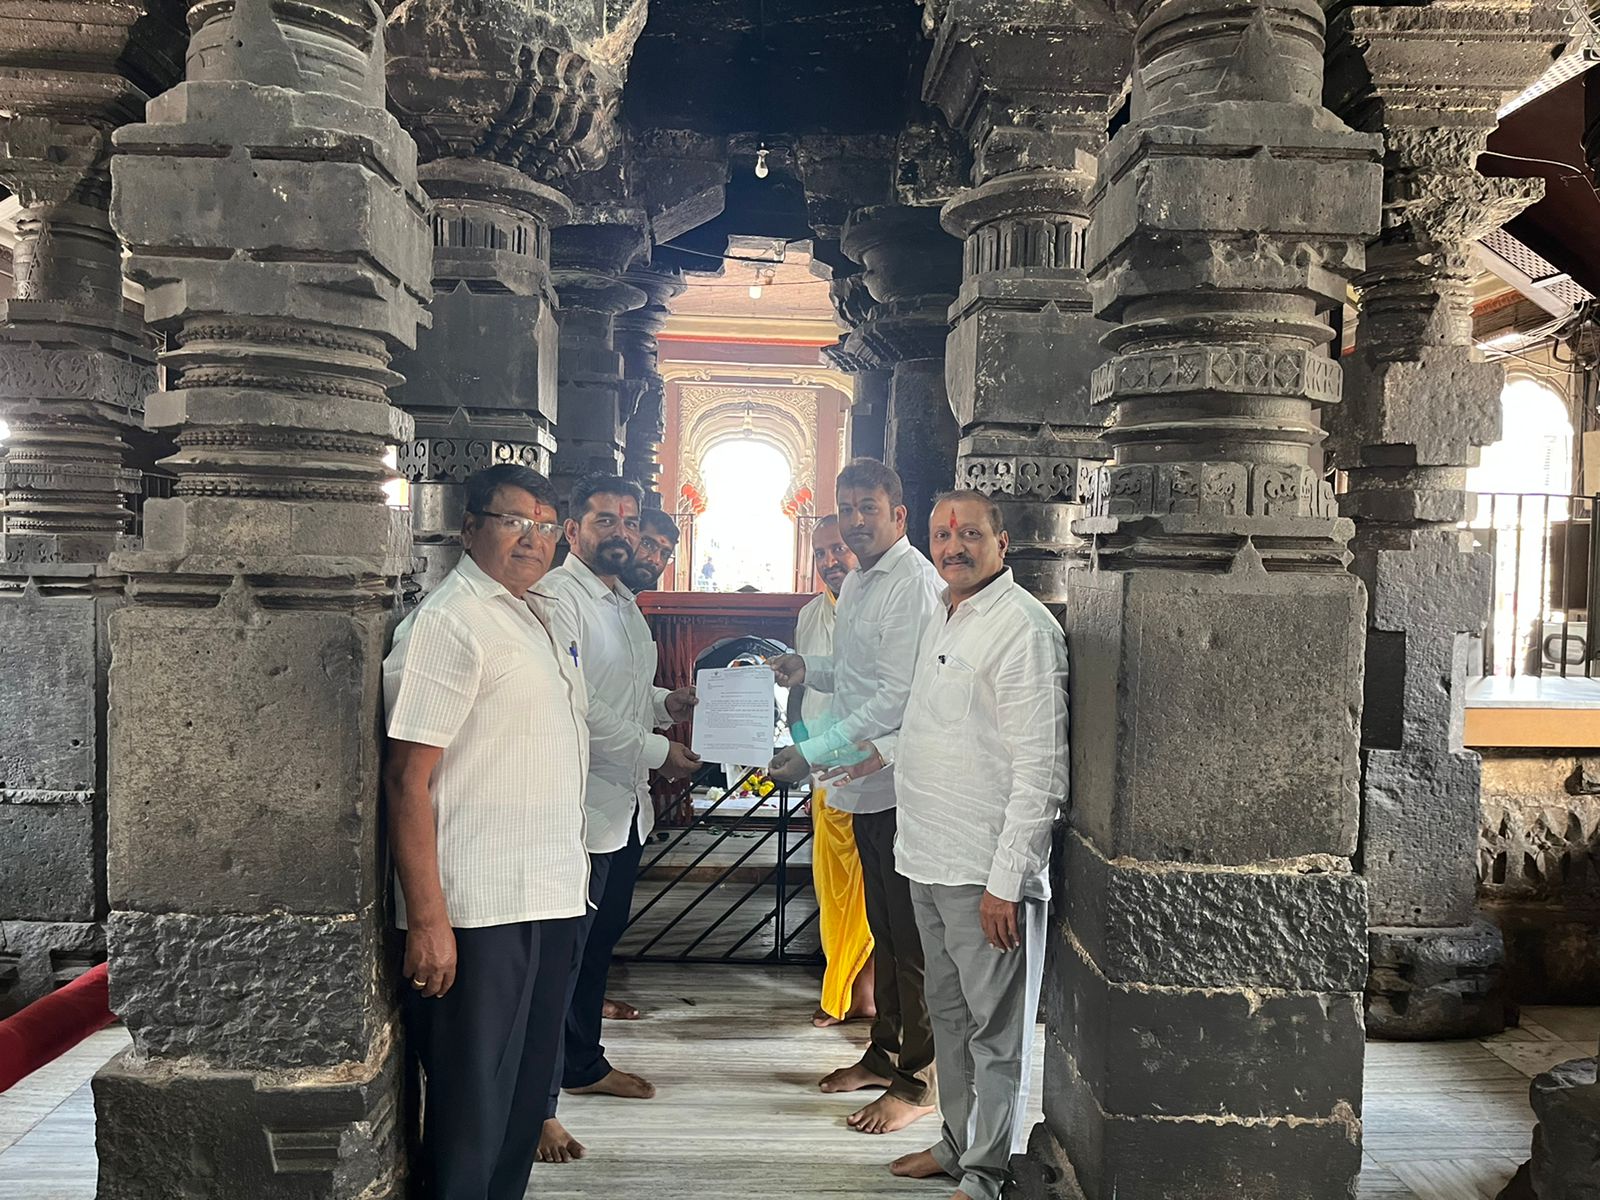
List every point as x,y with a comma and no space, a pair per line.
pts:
272,210
1419,403
1209,944
74,372
597,397
912,269
636,340
504,100
1033,92
870,383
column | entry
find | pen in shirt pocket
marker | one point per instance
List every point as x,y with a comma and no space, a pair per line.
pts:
573,650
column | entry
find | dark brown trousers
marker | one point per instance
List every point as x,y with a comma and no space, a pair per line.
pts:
902,1036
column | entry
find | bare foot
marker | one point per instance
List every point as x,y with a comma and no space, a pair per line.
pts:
556,1145
886,1115
921,1165
822,1018
851,1079
618,1083
617,1010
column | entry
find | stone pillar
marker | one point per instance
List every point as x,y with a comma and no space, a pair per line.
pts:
1033,92
274,218
1209,942
505,100
74,372
596,396
912,269
1566,1141
870,383
635,338
1419,403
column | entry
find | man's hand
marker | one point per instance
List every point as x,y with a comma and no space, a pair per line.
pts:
430,963
788,765
999,921
871,762
680,704
681,763
789,670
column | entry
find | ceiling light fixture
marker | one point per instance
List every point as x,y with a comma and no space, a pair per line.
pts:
762,170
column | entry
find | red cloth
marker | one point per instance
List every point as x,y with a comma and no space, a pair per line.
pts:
53,1024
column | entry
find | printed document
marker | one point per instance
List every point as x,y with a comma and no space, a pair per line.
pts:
734,721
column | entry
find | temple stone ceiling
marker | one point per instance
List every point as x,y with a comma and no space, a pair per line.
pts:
775,66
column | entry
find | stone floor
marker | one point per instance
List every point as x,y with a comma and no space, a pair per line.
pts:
737,1115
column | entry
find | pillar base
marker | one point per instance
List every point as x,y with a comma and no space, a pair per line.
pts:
172,1129
41,956
1045,1172
1566,1142
1429,984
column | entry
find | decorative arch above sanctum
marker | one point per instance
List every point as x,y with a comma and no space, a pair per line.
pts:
783,418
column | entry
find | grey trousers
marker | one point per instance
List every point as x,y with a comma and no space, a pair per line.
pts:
984,1005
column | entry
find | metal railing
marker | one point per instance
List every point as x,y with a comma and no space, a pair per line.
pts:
1545,555
679,912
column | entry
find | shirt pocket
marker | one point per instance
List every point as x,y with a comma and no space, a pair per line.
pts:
950,695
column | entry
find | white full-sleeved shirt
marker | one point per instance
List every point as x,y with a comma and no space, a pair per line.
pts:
981,759
618,655
882,612
473,670
813,636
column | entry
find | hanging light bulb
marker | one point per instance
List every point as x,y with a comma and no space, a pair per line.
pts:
762,170
755,291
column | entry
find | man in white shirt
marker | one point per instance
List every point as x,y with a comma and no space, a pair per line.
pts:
485,762
604,631
883,608
848,980
982,776
658,543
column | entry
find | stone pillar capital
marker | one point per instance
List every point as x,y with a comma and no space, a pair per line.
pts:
533,86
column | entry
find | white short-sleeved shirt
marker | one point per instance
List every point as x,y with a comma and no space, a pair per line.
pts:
473,670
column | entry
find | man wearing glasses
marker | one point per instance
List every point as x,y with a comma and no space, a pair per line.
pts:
658,543
604,633
487,752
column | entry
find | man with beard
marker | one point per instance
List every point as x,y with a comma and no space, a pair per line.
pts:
483,777
658,542
976,814
607,637
847,982
883,608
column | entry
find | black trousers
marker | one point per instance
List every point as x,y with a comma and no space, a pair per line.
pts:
488,1047
611,880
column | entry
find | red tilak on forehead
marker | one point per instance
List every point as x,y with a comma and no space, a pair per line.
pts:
952,520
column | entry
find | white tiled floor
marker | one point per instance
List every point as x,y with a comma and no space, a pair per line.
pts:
735,1059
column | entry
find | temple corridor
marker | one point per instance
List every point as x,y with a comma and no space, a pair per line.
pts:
737,1115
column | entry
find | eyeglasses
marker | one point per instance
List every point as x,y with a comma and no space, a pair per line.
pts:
522,526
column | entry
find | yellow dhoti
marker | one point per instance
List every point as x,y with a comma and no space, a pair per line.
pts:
841,903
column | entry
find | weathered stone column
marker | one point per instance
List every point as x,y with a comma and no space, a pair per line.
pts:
74,372
912,269
505,101
274,219
1419,403
596,395
1566,1141
1033,90
1205,1033
635,338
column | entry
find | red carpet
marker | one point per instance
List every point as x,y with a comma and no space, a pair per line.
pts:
52,1025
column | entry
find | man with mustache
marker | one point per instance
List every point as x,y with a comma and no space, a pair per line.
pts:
981,764
883,608
607,637
658,543
483,777
847,983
